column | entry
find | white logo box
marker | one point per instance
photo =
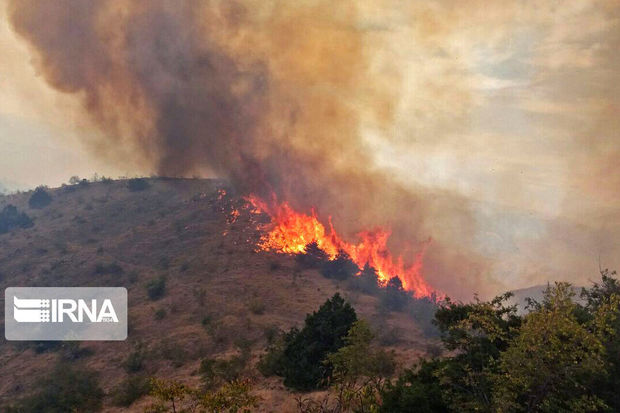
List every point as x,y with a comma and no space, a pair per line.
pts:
65,313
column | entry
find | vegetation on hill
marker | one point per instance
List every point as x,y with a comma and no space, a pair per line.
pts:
559,357
11,218
39,198
204,305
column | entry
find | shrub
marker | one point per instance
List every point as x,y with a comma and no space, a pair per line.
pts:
68,388
313,257
156,288
257,306
11,218
367,282
340,268
394,297
137,184
39,198
135,359
274,265
304,351
416,390
111,268
218,371
130,390
160,314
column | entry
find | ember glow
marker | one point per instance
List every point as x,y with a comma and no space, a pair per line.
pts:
291,231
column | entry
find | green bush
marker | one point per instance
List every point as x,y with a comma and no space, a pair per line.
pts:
394,297
135,359
110,268
130,390
257,306
313,257
340,268
156,288
11,218
160,314
219,371
367,282
39,198
68,388
137,184
416,390
300,358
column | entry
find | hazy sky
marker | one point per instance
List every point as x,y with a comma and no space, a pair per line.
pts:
513,105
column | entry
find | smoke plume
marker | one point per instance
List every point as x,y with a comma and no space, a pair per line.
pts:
368,111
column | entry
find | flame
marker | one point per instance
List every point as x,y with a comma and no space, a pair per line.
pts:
292,231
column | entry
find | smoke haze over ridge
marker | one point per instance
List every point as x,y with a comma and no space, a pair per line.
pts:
491,128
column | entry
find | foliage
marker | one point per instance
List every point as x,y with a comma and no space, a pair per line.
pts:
218,371
156,288
478,332
130,390
11,218
68,388
417,389
257,306
340,268
135,359
137,184
313,256
547,365
394,297
299,356
173,396
359,370
367,282
39,198
111,268
560,357
602,299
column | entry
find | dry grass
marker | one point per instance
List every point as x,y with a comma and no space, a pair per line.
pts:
220,294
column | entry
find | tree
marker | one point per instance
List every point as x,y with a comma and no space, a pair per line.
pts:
340,268
367,282
549,365
416,390
603,298
168,392
301,363
174,396
477,332
137,184
68,388
312,257
39,198
395,298
359,370
11,218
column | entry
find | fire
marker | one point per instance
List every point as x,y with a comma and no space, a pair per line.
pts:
291,231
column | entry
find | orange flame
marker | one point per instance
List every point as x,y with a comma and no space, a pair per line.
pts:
292,231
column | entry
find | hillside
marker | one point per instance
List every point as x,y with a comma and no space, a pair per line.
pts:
220,295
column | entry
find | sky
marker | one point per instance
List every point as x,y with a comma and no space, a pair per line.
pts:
512,107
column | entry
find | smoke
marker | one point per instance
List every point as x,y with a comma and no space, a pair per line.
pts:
379,113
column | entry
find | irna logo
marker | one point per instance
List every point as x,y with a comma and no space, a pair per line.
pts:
29,310
80,313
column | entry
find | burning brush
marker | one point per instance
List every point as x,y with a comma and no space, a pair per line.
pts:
292,232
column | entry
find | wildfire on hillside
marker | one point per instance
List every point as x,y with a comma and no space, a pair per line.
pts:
291,231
